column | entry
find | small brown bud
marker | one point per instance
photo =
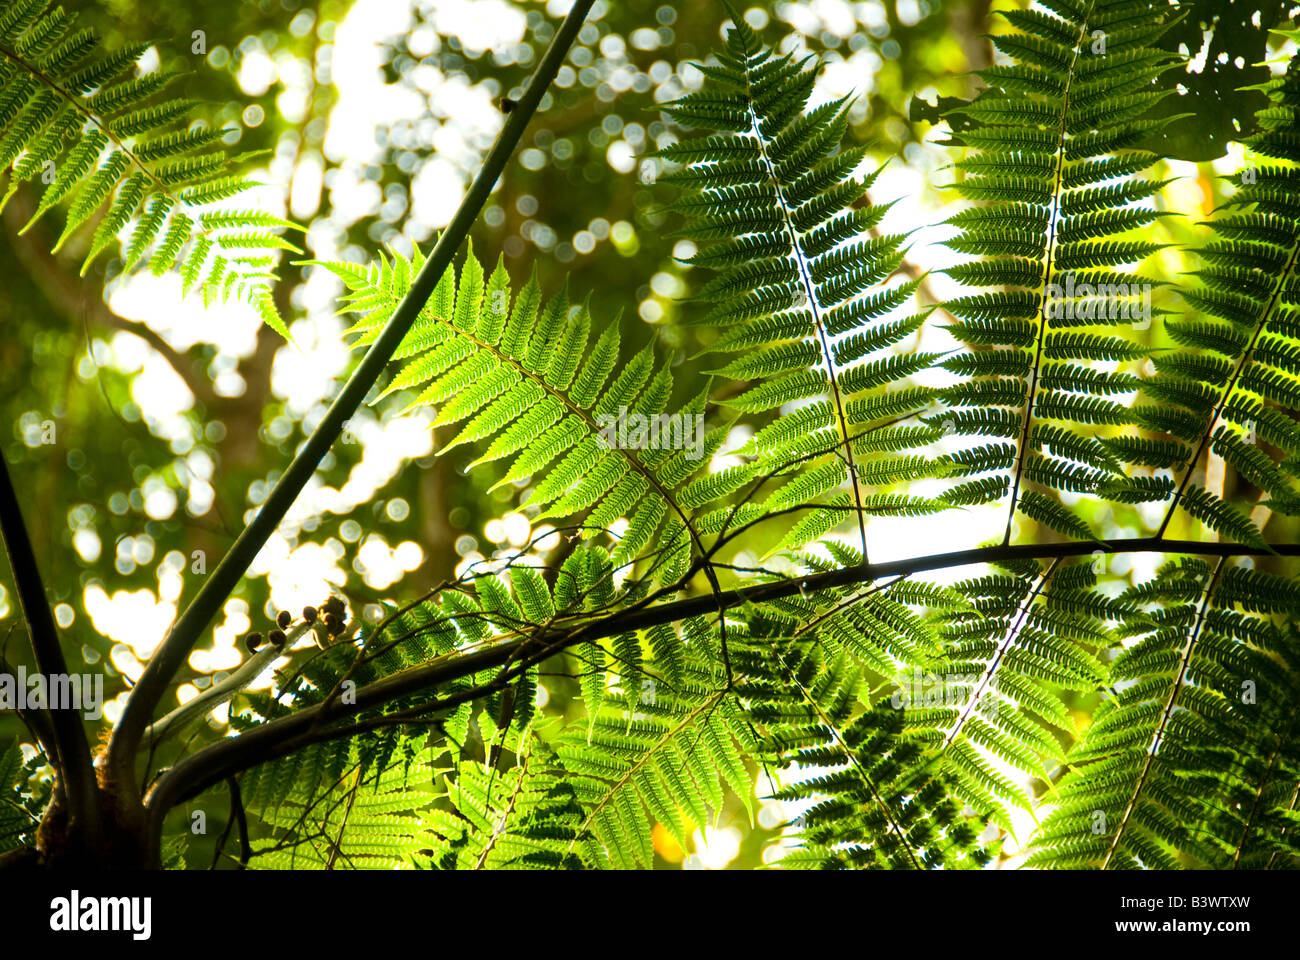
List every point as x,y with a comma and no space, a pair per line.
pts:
277,637
284,619
253,641
335,626
309,614
333,605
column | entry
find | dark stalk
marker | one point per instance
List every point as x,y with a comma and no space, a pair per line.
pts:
72,749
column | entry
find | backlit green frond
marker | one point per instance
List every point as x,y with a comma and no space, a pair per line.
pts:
1191,760
22,797
1061,202
696,646
798,297
991,707
524,378
107,144
870,796
368,817
1236,381
658,752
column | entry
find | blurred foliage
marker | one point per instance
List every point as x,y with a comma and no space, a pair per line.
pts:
576,201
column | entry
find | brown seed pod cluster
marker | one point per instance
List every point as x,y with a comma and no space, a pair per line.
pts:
334,609
277,636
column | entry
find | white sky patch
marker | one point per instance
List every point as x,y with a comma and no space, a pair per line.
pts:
136,619
305,193
381,566
257,71
715,848
437,190
480,25
299,575
184,321
364,99
162,389
387,447
306,376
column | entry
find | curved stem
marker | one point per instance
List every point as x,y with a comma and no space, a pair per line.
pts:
285,734
219,693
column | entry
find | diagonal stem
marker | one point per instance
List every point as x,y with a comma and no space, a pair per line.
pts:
809,293
1013,633
72,760
831,727
1274,302
1266,780
185,632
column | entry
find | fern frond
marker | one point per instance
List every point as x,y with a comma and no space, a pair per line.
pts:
1060,191
521,376
109,149
1185,762
1246,387
870,796
769,196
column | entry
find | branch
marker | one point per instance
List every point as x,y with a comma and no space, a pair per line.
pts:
219,693
185,632
72,750
283,736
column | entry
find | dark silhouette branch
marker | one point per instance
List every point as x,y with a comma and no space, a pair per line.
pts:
71,748
283,736
236,816
180,640
237,808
